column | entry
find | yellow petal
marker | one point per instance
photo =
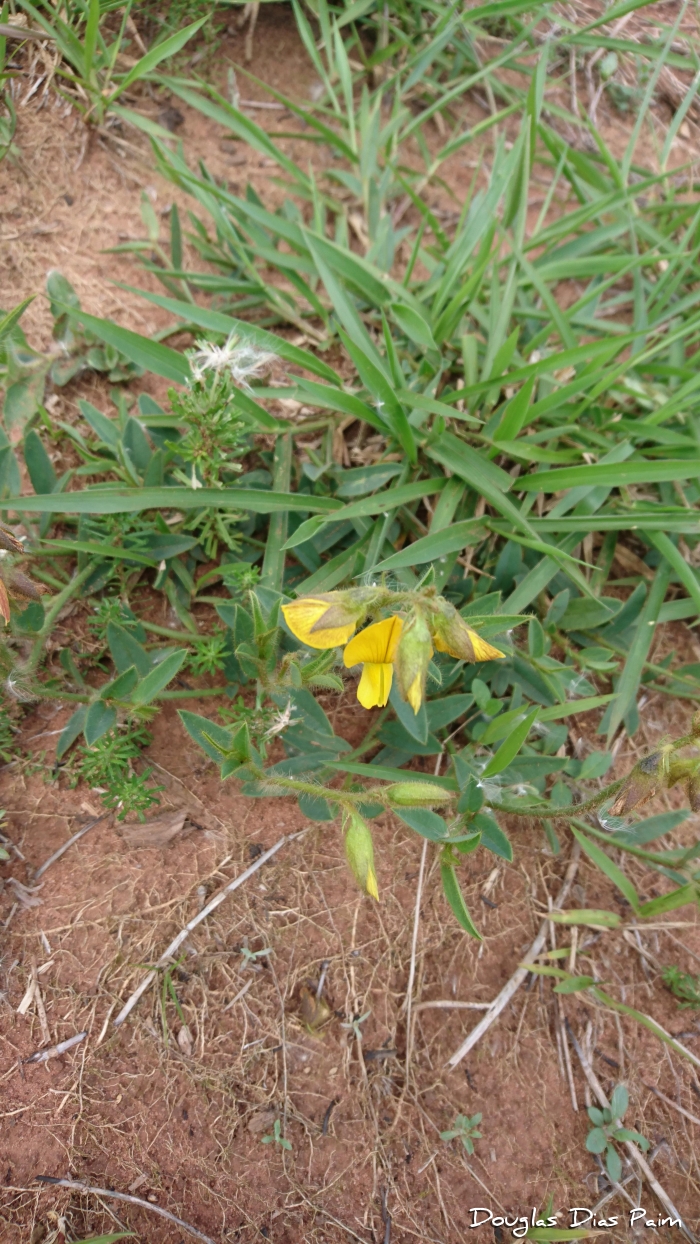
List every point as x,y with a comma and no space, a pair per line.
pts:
377,643
371,884
302,615
375,684
414,695
482,650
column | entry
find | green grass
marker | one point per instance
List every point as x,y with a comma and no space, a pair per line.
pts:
531,382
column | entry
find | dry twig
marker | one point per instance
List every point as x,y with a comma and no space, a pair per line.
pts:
512,986
42,1056
202,915
75,1186
61,850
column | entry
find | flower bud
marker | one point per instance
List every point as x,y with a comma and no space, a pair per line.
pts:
413,658
360,852
452,635
641,785
416,794
326,620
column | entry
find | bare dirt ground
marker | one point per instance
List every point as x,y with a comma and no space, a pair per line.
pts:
176,1106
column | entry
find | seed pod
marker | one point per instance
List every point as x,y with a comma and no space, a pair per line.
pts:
417,795
359,849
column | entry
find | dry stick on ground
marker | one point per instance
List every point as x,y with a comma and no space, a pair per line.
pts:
202,915
511,988
634,1153
61,850
670,1102
122,1196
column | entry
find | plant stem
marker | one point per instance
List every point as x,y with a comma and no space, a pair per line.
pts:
58,602
562,814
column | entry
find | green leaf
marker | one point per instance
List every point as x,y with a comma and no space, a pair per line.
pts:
118,500
510,748
121,687
669,902
677,562
592,917
619,1101
159,677
415,723
105,429
160,51
426,823
412,323
72,729
455,898
38,463
212,738
126,650
492,836
151,355
596,1140
99,719
630,678
436,545
7,322
606,866
611,475
574,984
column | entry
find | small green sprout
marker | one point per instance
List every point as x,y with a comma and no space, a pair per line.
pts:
607,1129
466,1130
277,1138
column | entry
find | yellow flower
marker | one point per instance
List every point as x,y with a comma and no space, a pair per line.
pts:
303,616
375,648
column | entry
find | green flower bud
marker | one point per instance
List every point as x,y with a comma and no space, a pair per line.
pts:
360,852
413,658
416,795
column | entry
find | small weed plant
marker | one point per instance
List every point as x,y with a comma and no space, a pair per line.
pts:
607,1132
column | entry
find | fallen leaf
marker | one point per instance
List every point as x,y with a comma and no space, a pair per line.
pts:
157,833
